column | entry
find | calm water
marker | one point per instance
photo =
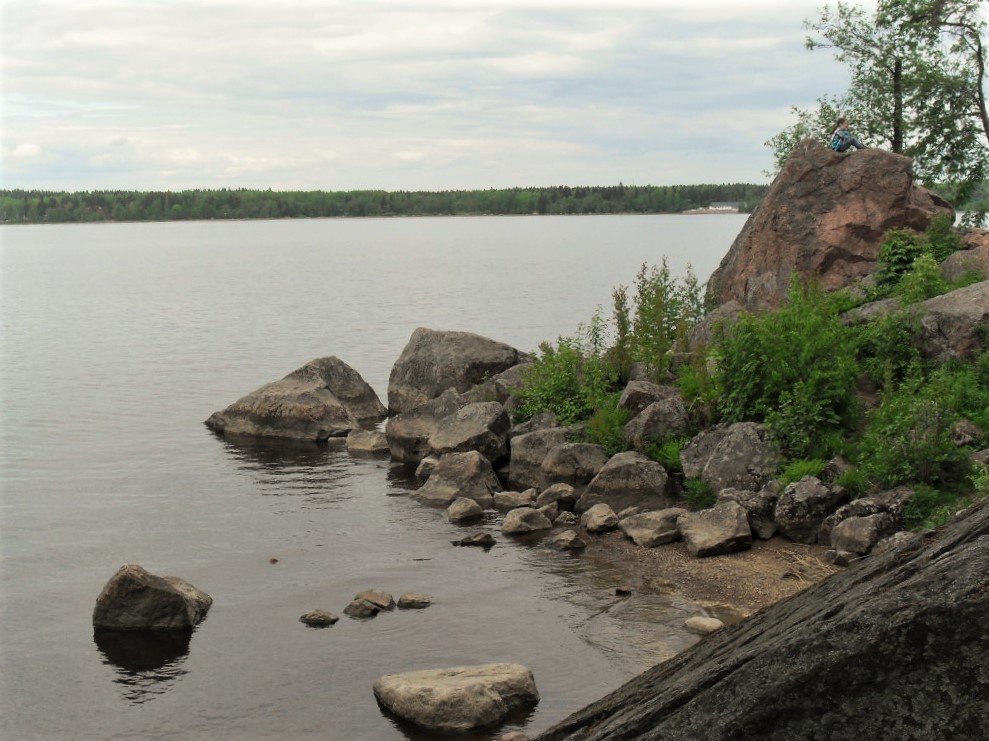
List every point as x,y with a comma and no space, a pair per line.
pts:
119,340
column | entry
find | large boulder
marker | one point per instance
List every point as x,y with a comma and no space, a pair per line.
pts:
739,456
135,599
956,325
433,362
501,386
482,426
459,699
529,450
408,434
599,519
713,532
718,319
628,479
825,216
460,475
573,463
803,506
640,394
858,535
892,502
322,399
650,529
759,505
894,648
659,421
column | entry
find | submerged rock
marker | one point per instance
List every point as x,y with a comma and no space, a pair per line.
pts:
324,398
480,540
135,599
459,699
319,618
894,648
434,361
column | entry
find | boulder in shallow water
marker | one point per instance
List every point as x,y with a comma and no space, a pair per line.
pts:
460,475
434,361
318,618
568,540
482,426
135,599
414,601
464,510
361,609
324,398
525,520
458,699
506,501
408,434
479,540
381,600
367,442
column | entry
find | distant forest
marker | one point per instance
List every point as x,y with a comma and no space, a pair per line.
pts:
38,206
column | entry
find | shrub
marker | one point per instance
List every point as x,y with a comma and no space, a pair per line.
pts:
887,349
699,388
668,454
794,368
698,494
908,438
930,508
896,255
922,281
855,481
796,470
980,481
604,428
941,237
565,381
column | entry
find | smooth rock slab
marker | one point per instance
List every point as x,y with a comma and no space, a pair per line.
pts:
318,618
458,699
713,532
135,599
651,529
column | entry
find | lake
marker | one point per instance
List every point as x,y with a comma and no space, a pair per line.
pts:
120,339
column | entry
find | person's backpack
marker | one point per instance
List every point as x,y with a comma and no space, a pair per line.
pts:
837,139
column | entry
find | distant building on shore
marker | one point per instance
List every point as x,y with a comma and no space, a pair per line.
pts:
718,207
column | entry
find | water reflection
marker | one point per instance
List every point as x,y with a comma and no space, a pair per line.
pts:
147,663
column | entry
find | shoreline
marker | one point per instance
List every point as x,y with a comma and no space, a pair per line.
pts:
733,585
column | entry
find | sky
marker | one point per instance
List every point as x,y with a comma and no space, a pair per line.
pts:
430,95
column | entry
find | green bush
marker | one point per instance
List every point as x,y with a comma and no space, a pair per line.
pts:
794,368
896,255
855,481
668,454
605,425
980,481
698,494
941,237
564,380
700,391
922,281
887,348
796,470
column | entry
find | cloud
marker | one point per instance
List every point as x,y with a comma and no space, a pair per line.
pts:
441,95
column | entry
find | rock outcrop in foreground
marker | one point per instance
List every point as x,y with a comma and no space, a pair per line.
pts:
322,399
895,647
825,215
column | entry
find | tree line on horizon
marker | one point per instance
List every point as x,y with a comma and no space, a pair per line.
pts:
42,206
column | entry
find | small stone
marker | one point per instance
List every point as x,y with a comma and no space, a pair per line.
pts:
318,618
625,590
703,625
381,600
414,601
360,608
272,560
482,540
568,541
464,510
566,519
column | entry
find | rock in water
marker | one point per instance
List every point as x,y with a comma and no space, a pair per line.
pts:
414,601
459,699
568,540
367,442
463,510
135,599
324,398
319,618
894,648
482,427
460,475
408,434
506,501
361,609
381,600
825,215
433,362
525,520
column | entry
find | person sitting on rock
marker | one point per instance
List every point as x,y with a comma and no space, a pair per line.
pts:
842,138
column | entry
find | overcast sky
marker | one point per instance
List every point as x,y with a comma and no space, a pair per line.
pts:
399,95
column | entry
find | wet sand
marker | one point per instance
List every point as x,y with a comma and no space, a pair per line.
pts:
731,586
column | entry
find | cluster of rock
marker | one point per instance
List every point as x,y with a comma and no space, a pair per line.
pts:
367,604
